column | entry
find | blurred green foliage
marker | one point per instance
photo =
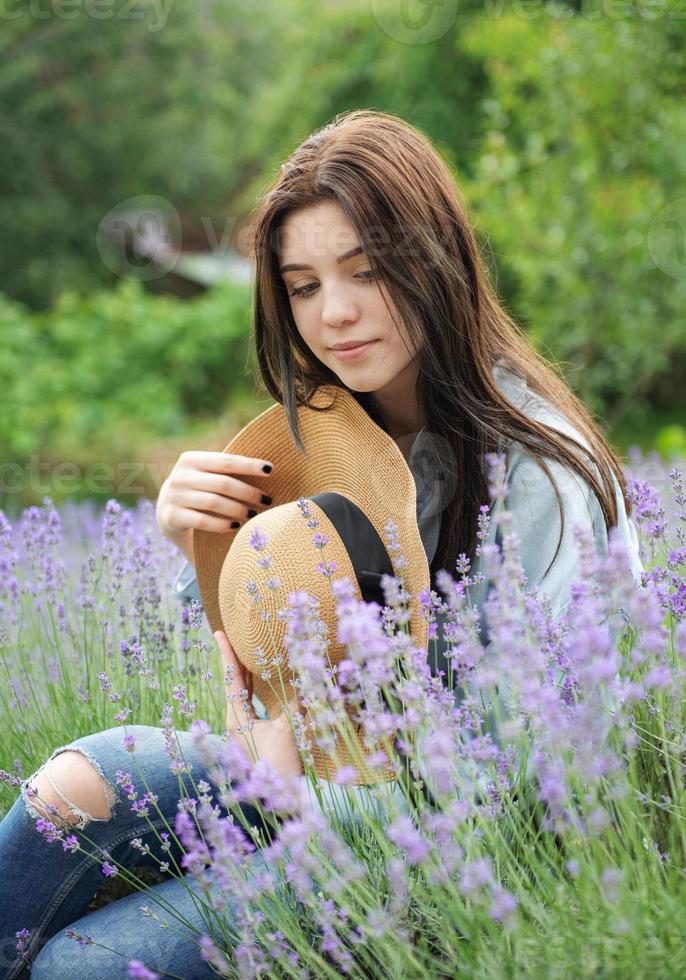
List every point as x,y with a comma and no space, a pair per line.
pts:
586,145
102,376
564,124
670,441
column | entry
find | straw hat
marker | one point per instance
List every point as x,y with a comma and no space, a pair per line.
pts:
354,478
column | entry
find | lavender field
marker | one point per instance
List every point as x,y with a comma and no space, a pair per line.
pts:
570,860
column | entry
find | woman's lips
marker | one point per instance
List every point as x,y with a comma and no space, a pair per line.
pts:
353,352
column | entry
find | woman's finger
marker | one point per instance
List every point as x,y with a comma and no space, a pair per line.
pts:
234,673
290,709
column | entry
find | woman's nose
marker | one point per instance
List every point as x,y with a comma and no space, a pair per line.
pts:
338,308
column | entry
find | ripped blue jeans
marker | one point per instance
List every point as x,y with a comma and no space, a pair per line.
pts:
46,889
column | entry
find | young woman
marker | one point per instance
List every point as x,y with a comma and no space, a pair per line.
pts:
367,276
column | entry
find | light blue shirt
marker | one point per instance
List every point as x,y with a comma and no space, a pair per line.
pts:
535,517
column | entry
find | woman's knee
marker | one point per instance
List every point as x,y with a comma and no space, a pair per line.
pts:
69,790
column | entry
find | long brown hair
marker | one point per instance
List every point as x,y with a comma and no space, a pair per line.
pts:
391,183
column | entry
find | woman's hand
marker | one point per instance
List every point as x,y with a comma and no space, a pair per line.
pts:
203,492
271,739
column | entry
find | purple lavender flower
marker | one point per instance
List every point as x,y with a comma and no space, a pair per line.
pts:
211,954
139,971
79,937
475,875
22,943
48,830
405,835
345,776
503,906
258,539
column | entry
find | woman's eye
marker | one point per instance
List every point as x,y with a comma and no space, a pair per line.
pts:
304,292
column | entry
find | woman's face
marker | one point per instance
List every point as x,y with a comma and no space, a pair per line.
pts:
337,299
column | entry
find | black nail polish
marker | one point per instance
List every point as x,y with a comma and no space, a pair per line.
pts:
252,513
266,499
267,468
235,524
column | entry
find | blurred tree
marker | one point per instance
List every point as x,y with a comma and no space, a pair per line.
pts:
586,147
96,110
436,86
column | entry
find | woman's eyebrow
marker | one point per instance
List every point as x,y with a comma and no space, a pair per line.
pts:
295,267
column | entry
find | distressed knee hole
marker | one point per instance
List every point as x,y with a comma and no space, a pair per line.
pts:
70,782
